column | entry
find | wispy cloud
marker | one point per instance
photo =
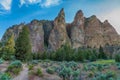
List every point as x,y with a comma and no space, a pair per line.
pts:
49,3
113,17
6,4
28,2
42,3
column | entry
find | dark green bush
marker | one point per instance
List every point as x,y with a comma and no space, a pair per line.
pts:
5,76
117,57
50,70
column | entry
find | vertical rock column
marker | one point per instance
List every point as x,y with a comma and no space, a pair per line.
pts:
58,35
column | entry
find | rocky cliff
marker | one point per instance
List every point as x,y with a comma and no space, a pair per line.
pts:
82,32
58,35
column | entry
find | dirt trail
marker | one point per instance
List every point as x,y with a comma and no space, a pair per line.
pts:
23,74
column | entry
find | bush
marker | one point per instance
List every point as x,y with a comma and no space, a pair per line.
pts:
102,54
1,61
117,57
50,70
39,72
69,71
111,74
30,67
91,74
79,55
5,76
15,67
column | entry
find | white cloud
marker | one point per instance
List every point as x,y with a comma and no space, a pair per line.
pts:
49,3
42,3
113,17
22,2
6,4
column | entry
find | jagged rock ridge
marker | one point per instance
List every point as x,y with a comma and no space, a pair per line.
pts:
82,32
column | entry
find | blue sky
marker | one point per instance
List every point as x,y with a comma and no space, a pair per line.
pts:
18,11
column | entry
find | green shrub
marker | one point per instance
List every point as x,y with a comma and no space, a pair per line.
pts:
75,74
79,55
15,67
5,76
102,54
117,57
111,74
50,70
65,73
90,74
1,61
100,67
69,71
30,67
39,72
34,62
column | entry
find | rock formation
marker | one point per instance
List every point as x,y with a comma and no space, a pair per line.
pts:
58,35
36,36
82,32
77,34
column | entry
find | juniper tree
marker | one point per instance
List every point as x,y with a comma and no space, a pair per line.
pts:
9,48
23,45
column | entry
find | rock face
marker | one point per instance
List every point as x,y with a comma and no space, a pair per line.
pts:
82,32
77,34
93,32
36,36
15,29
39,33
58,35
99,34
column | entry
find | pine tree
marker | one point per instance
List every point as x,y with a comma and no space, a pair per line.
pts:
102,54
8,49
0,49
23,46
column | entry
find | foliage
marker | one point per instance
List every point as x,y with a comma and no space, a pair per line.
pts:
50,70
0,49
68,71
102,55
23,46
117,57
67,51
15,67
111,61
39,72
30,67
1,61
105,76
5,76
8,49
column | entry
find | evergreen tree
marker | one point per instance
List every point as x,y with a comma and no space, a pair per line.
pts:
8,49
23,46
102,54
0,49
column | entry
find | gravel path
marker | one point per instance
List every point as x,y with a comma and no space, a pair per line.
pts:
23,74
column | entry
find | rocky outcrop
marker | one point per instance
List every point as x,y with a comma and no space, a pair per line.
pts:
93,32
99,34
58,35
36,36
15,29
39,33
82,32
77,34
110,33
